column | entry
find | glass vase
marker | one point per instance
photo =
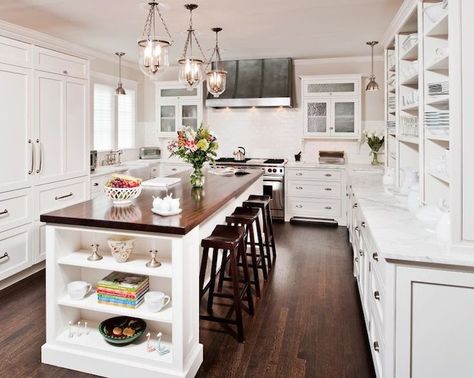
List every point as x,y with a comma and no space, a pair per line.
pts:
375,158
197,177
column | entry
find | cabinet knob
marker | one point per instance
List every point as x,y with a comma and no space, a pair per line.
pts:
363,224
356,259
299,187
327,189
355,205
65,72
356,228
299,206
299,174
328,207
96,184
377,295
361,252
376,346
375,256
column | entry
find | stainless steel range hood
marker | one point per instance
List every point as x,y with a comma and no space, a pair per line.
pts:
256,83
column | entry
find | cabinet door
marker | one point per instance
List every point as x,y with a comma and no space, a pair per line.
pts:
16,147
331,87
168,117
15,251
344,116
316,118
190,114
77,127
177,93
49,127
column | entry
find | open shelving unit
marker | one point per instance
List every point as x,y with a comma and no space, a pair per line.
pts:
417,63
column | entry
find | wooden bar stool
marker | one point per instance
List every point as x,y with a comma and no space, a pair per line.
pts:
248,217
230,242
262,202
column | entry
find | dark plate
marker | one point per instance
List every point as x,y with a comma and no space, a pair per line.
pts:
107,326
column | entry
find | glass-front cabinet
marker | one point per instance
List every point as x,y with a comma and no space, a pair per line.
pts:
177,107
332,106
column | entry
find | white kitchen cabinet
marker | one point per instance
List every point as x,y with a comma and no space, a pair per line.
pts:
332,107
15,248
15,52
62,64
16,144
177,107
15,208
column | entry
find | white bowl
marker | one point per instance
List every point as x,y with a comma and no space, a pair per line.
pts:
122,196
121,248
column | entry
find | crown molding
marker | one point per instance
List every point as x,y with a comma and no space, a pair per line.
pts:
37,38
345,59
406,9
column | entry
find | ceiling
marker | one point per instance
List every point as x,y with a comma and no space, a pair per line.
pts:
252,28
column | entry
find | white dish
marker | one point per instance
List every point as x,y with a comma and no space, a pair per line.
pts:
161,182
166,213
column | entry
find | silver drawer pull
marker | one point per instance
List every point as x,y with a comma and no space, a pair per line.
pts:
361,252
327,189
375,256
376,346
328,175
4,212
63,197
299,174
355,205
299,187
377,295
299,206
363,224
5,256
328,207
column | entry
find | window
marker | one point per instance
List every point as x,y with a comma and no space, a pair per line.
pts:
114,117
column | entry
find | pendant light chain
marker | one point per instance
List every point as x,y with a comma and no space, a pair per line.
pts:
189,39
150,22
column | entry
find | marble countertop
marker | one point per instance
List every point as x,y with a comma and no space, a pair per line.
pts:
396,231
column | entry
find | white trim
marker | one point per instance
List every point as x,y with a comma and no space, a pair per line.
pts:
345,59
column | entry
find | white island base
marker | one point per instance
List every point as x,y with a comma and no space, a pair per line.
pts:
67,249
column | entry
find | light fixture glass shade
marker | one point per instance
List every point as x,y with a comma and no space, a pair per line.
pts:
372,85
153,56
216,82
190,72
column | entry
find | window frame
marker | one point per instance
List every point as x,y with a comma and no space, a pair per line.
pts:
104,79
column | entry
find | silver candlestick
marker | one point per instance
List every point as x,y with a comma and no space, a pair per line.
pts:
95,253
153,263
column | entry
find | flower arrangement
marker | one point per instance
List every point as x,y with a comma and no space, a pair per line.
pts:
196,148
375,142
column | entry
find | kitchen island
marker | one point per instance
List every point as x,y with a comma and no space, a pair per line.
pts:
71,231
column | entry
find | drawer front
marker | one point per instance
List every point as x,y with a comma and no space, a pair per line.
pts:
97,183
15,52
314,207
377,298
377,347
310,174
15,209
15,249
58,63
168,170
62,195
314,189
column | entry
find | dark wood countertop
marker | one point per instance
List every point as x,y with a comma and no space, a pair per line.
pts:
197,204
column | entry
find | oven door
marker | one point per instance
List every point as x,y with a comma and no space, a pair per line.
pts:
274,187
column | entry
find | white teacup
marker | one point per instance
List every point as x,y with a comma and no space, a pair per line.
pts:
156,300
78,289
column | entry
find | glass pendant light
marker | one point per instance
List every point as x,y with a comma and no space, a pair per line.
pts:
191,68
216,77
120,91
153,51
372,85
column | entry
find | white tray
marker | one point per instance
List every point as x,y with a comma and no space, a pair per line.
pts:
166,213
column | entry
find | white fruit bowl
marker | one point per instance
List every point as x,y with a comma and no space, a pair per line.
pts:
122,196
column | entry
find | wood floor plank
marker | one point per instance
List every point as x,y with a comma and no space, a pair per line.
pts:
308,323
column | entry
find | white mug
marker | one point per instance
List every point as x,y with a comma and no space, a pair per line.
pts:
156,300
78,289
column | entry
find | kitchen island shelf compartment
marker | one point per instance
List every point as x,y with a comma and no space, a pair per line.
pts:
90,303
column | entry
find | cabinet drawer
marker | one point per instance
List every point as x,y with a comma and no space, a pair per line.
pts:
377,348
58,63
309,174
312,189
314,207
15,209
98,182
15,52
15,249
61,195
377,298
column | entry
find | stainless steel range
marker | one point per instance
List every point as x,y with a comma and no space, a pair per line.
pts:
273,179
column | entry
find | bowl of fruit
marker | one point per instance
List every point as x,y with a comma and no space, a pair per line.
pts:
122,189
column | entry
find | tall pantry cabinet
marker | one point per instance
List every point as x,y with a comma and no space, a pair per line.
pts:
44,143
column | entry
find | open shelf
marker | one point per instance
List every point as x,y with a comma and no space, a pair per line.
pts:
90,303
411,80
438,138
440,63
410,108
137,350
439,176
409,139
439,28
135,264
441,100
411,53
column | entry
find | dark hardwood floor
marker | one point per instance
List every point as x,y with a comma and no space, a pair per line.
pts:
308,323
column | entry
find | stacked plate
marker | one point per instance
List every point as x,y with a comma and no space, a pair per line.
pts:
438,88
437,119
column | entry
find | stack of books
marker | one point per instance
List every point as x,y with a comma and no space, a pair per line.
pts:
122,289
